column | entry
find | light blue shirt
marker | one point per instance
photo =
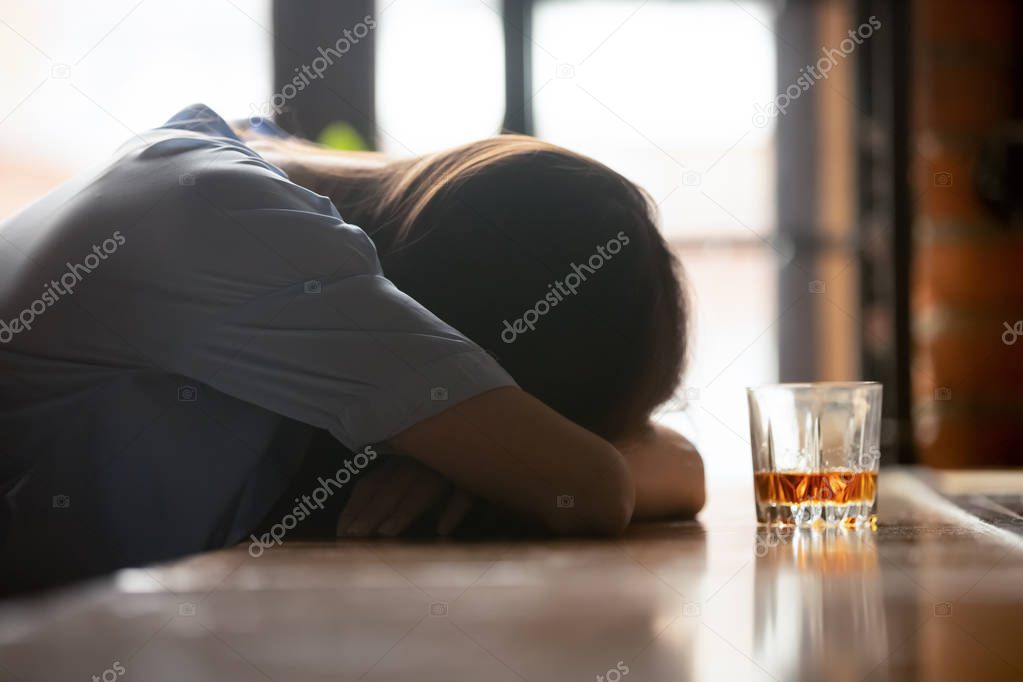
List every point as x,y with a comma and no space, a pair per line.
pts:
171,324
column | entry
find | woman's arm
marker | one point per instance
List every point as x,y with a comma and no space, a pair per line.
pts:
667,471
510,448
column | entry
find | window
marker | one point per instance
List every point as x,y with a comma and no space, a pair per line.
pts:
112,69
440,74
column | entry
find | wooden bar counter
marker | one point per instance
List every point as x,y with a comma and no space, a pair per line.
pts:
934,593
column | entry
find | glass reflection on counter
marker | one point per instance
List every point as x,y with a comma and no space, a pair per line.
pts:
818,610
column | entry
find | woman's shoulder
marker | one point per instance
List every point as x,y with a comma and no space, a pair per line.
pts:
195,164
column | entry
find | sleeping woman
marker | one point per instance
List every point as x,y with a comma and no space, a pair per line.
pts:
198,333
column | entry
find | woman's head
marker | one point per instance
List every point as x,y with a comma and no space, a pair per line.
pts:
548,259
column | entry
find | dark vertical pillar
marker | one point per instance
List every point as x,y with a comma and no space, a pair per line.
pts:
329,47
518,86
797,196
885,206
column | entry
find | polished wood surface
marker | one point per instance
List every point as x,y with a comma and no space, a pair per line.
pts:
932,594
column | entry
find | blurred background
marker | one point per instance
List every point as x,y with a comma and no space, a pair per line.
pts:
840,178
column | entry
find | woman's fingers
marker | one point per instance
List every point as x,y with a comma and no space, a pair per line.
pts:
386,498
391,497
454,512
420,497
362,495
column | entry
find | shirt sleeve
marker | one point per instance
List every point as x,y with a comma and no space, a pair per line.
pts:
262,291
351,354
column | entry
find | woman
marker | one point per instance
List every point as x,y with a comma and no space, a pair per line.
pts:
179,325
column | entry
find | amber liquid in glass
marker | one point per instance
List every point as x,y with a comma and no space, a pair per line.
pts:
829,487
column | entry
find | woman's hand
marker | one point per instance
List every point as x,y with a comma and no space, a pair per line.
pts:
668,472
389,498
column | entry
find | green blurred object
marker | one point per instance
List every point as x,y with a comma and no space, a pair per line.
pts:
342,135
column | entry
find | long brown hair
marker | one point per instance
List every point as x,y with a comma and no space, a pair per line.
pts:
481,232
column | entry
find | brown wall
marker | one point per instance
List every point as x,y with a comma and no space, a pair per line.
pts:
968,262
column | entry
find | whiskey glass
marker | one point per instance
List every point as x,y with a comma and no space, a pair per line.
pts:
816,452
